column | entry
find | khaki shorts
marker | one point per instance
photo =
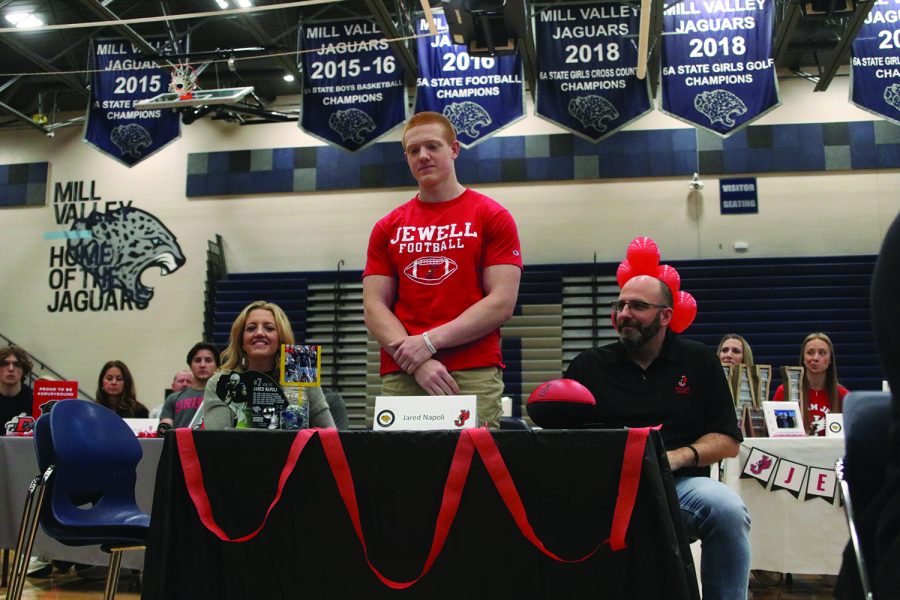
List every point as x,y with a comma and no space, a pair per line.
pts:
485,383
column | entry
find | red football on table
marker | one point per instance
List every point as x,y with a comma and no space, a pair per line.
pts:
560,404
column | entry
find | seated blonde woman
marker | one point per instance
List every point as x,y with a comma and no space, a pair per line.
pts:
734,350
254,345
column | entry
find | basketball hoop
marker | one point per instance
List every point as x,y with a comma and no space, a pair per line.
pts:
184,81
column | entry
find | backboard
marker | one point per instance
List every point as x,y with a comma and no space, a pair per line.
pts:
198,98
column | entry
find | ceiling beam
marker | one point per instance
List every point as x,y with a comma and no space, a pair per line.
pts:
653,57
264,39
134,37
382,16
23,118
842,51
529,53
785,31
44,64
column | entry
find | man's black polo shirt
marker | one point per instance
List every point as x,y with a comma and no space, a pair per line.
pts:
684,390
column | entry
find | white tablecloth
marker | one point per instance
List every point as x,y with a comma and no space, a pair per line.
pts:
788,534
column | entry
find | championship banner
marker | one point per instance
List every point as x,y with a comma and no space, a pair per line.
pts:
353,89
587,67
717,66
759,466
479,94
789,476
123,76
875,62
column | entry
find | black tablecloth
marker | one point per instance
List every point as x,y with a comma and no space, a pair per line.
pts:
568,482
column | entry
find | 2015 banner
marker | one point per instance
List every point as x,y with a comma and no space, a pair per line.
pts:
353,90
587,67
479,94
123,76
717,66
875,62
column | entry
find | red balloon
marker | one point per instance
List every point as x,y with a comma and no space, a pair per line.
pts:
685,312
624,272
668,275
643,256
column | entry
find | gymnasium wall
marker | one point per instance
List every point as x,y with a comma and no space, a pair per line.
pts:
836,210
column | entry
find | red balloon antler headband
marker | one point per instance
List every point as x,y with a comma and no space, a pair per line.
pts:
642,258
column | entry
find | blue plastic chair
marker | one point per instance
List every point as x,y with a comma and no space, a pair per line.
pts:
862,471
88,457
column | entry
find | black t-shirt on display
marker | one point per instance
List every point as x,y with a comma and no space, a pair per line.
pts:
684,390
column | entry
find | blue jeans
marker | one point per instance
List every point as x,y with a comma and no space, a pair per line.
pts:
716,515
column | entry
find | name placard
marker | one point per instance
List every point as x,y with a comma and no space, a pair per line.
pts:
423,413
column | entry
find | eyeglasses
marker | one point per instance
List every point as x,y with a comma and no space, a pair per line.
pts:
636,306
10,363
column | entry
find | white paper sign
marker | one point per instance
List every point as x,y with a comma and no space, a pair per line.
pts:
821,484
789,476
760,466
422,413
834,425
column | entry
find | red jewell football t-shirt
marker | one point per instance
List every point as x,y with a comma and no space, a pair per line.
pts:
437,252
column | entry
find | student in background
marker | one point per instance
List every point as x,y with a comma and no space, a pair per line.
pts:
115,391
820,392
734,350
15,396
180,406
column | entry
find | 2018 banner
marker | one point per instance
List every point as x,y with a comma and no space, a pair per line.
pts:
587,66
717,66
353,90
123,76
479,94
875,62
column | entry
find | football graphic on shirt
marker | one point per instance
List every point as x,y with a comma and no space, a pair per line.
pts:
430,270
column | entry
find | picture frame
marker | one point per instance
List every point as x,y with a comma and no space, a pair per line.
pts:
763,383
300,365
745,387
790,379
784,419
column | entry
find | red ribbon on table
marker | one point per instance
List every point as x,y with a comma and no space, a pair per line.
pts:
470,440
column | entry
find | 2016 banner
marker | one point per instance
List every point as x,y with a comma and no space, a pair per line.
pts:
479,94
875,63
123,76
587,67
353,90
717,66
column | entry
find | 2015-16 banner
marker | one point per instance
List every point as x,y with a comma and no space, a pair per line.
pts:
717,67
875,62
353,90
587,65
123,76
479,94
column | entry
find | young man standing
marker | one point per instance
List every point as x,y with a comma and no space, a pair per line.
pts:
15,396
442,275
180,407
